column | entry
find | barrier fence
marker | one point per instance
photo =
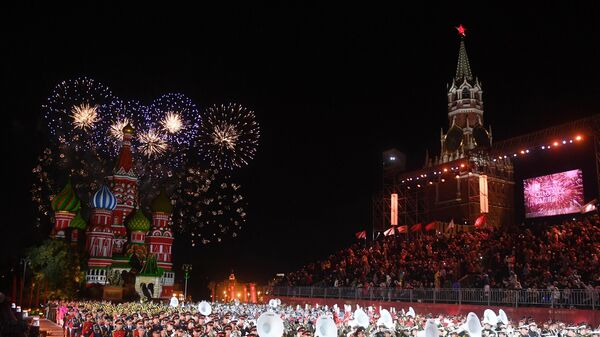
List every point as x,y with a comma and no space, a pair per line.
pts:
563,298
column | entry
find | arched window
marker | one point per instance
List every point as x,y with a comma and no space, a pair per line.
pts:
466,93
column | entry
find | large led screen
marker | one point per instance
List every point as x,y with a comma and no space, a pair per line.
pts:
553,194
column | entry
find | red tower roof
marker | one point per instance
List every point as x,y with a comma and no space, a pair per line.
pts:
125,163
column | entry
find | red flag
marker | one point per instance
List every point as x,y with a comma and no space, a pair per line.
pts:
431,226
361,235
481,220
390,231
416,228
402,229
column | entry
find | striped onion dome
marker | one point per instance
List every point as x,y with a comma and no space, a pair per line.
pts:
78,222
104,198
138,222
162,204
66,200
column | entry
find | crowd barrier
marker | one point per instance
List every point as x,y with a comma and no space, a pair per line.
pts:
563,298
539,314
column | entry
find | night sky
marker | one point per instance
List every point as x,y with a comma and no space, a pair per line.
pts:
332,87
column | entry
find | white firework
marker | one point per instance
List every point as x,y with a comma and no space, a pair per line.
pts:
172,122
116,128
152,144
225,135
84,116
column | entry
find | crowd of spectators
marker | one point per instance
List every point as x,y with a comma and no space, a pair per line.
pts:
561,256
131,319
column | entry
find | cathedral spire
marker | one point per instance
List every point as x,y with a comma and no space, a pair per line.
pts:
463,68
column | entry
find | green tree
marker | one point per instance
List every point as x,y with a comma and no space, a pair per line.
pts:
60,265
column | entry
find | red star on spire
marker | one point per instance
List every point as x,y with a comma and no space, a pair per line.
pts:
461,30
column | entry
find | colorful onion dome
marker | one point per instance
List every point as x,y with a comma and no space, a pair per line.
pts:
104,198
128,129
78,222
161,204
138,222
66,200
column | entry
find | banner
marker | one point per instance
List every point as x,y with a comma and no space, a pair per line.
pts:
361,235
394,210
483,194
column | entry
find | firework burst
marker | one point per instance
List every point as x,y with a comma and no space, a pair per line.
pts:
87,123
212,208
116,128
228,136
55,165
118,114
84,116
176,116
172,122
152,143
74,109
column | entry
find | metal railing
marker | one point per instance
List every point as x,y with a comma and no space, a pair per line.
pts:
563,298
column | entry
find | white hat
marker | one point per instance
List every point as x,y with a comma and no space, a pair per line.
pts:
473,325
430,330
489,317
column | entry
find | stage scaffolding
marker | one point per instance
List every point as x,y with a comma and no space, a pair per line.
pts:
586,127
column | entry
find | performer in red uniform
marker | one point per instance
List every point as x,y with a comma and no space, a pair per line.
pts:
86,329
119,331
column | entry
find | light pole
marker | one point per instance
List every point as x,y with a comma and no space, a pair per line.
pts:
24,261
187,268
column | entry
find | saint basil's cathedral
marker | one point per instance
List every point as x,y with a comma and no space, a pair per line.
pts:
119,236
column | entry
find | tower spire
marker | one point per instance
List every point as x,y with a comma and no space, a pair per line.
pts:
463,68
125,162
123,182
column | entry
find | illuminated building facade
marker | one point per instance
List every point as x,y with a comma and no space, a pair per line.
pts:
232,289
115,213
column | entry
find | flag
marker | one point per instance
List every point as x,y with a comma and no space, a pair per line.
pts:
361,235
431,226
416,228
480,221
390,231
395,229
590,206
450,225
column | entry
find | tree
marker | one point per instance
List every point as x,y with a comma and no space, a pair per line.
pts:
58,264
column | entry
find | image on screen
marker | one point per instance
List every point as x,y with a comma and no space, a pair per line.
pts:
553,194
